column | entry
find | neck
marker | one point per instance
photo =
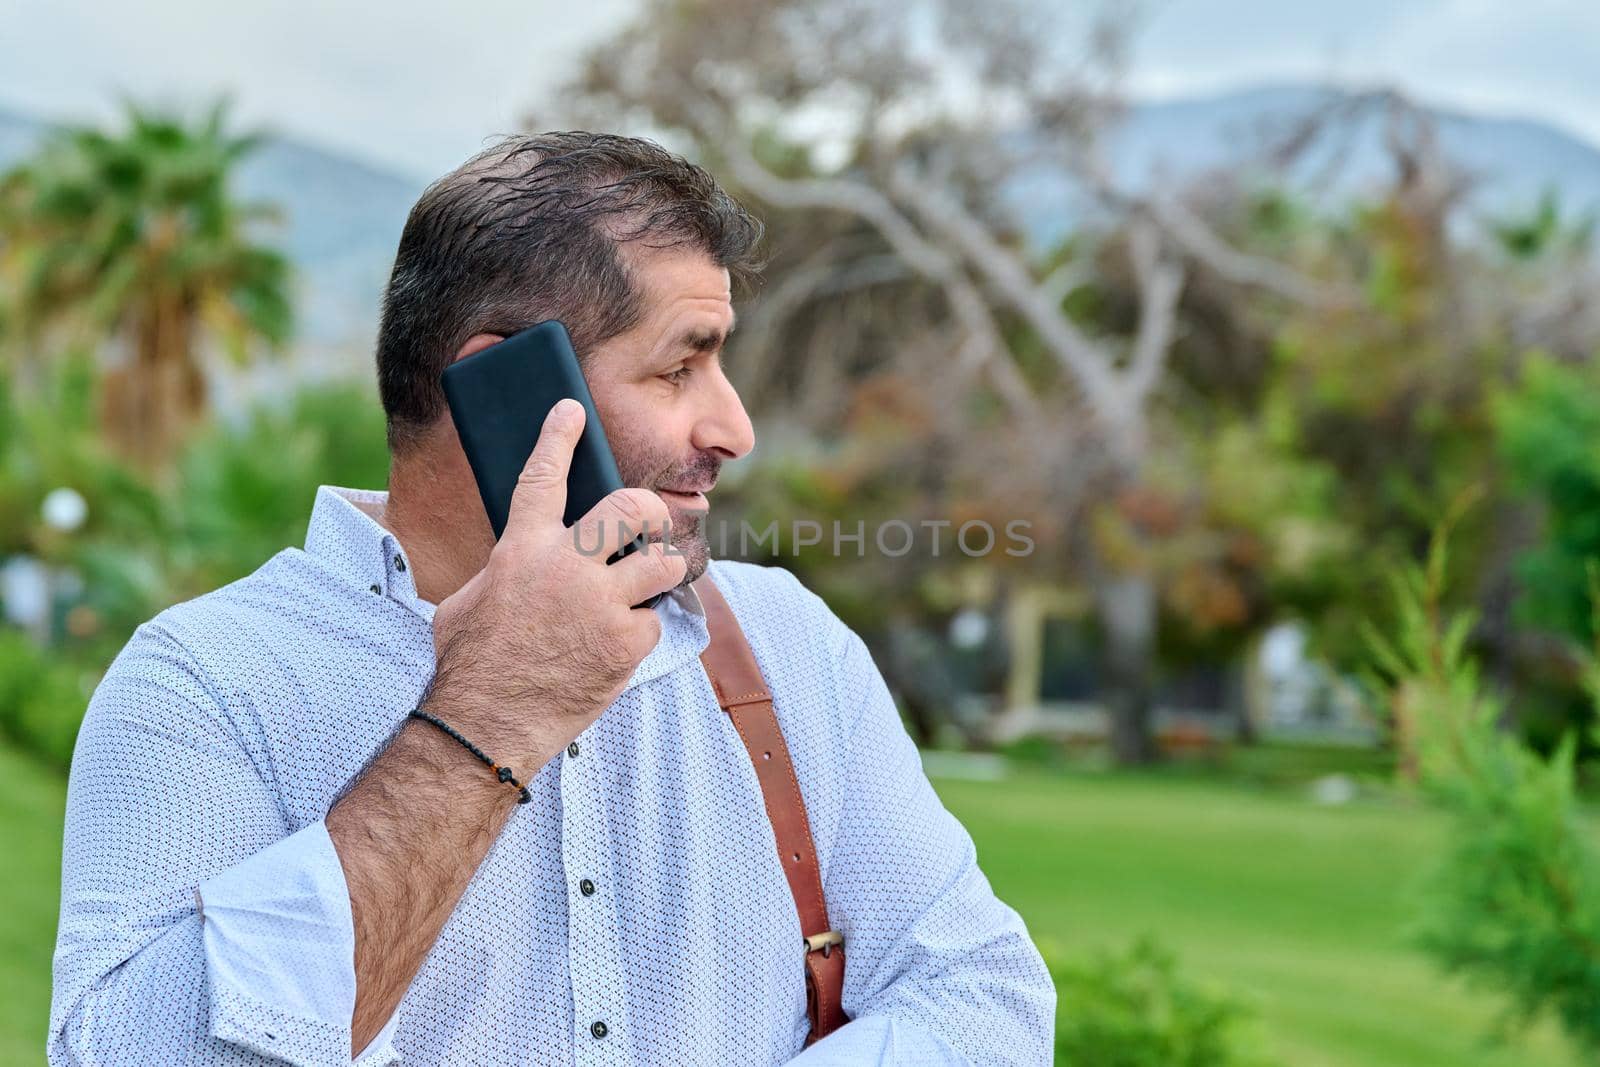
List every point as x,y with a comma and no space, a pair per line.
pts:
435,513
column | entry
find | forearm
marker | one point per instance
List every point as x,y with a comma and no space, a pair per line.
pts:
410,834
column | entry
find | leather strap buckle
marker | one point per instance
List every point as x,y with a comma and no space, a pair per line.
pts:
823,942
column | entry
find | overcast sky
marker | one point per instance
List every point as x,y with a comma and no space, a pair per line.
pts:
419,86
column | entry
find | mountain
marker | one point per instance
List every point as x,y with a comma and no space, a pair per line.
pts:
343,217
1513,160
1510,161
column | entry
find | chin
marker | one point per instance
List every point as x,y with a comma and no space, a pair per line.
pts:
697,556
688,537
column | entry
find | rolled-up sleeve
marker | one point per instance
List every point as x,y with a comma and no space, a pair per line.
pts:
196,925
939,970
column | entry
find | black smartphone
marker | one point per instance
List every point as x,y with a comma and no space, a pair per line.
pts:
499,397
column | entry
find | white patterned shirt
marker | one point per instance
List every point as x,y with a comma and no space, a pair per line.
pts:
205,917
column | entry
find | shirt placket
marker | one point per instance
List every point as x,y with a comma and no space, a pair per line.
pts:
600,1028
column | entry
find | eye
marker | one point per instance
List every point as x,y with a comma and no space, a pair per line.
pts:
678,376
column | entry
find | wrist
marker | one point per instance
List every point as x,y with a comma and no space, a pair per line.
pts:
511,728
455,769
504,773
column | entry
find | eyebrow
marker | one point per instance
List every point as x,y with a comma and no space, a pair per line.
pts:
706,340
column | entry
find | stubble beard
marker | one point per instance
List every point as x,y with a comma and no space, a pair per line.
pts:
687,534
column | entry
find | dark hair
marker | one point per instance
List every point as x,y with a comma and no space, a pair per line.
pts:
527,230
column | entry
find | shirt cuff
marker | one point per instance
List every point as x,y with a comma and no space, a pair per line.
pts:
380,1049
883,1041
280,954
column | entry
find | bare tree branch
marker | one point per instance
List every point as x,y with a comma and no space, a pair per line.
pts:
984,346
1087,362
1160,285
1065,280
838,194
821,275
1191,233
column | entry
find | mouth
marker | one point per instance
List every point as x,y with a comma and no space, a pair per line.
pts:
690,497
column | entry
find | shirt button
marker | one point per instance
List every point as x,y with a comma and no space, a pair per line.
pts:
377,588
399,563
598,1029
586,887
572,749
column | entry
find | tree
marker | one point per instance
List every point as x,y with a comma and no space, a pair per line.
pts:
1514,902
904,121
1396,395
131,243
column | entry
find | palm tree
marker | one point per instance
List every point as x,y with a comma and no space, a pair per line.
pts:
131,243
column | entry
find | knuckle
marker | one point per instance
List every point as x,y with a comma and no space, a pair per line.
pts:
646,634
504,555
629,506
539,471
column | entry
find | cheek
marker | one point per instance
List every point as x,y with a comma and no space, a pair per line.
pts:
645,446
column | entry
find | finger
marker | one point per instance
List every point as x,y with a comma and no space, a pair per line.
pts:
617,519
643,634
653,569
541,490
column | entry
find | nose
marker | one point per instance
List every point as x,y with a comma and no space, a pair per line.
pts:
724,425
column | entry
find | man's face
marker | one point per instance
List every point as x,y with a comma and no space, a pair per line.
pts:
670,414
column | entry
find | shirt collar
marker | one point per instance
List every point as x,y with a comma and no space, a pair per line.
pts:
345,537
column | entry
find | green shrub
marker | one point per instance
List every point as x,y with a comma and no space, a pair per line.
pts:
244,492
1514,900
1133,1009
247,489
42,698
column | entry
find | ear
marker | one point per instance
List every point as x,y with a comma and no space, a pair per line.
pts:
477,343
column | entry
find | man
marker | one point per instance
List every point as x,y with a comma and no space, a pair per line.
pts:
268,858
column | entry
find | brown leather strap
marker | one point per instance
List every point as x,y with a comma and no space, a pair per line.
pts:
743,694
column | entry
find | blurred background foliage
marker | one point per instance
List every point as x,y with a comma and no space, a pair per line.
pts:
1235,415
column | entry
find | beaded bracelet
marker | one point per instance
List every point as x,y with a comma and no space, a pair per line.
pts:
503,773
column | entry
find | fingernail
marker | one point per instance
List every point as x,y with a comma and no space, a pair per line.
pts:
566,408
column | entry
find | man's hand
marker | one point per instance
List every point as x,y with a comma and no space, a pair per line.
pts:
537,644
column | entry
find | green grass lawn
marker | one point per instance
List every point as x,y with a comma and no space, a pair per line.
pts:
32,800
1300,908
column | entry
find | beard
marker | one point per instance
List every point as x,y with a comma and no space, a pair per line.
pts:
653,470
688,537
